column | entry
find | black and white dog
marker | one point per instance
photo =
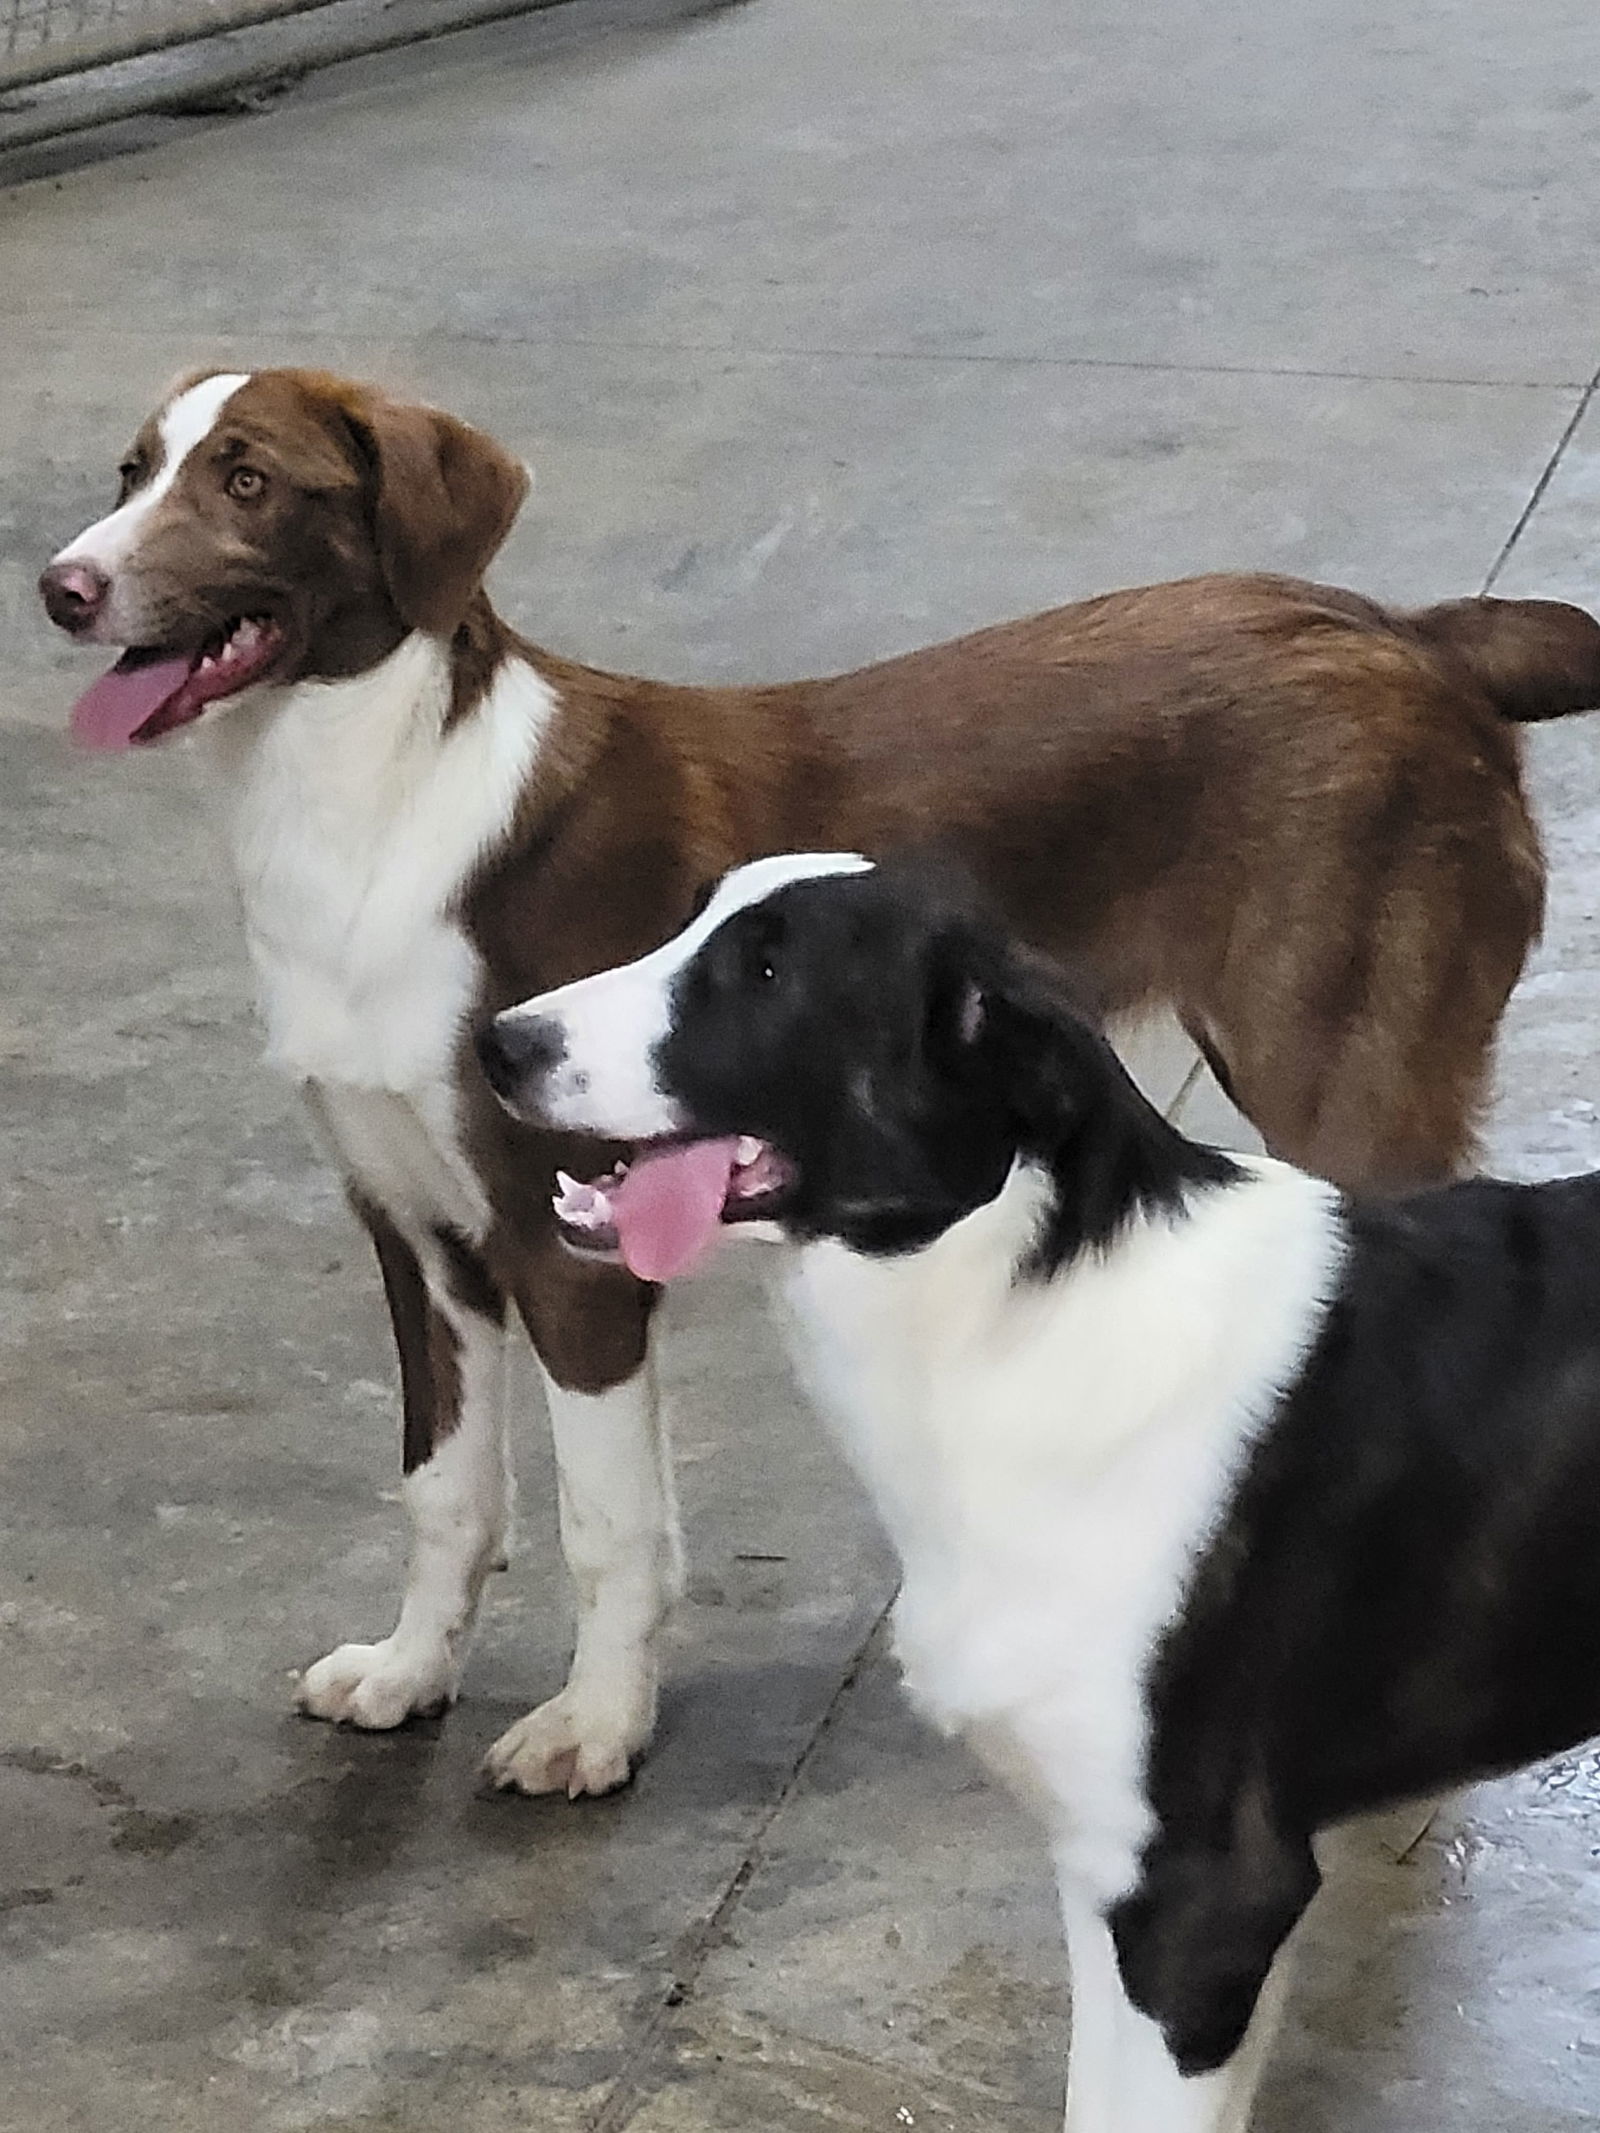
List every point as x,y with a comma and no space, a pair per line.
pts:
1228,1506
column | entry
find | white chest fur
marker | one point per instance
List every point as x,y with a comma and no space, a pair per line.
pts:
1049,1459
354,820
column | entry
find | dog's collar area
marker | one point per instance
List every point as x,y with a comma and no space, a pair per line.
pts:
659,1213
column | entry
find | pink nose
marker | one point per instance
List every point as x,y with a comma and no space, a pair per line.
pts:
73,594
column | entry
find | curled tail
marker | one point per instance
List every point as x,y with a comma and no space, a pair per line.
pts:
1533,658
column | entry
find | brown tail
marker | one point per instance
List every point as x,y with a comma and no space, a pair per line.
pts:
1535,658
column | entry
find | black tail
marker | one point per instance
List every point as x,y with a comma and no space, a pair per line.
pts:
1533,658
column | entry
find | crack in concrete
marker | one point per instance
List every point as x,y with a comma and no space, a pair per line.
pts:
1543,483
628,2093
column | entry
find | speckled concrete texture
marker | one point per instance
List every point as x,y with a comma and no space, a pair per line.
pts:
830,326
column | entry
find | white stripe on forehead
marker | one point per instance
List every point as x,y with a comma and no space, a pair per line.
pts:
750,884
612,1023
193,415
185,420
737,891
761,878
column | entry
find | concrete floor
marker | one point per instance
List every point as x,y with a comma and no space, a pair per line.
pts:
831,325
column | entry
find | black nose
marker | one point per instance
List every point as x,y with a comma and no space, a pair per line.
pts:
515,1049
73,594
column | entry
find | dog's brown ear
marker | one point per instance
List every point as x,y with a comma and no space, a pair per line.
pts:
447,495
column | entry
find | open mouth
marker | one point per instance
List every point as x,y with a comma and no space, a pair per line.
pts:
660,1213
150,691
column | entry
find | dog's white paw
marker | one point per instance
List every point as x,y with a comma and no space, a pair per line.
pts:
378,1685
571,1744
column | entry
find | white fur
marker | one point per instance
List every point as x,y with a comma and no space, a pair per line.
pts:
1049,1458
458,1503
354,820
110,541
1121,2077
612,1022
619,1533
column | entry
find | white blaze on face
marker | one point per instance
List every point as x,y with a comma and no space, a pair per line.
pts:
112,542
611,1024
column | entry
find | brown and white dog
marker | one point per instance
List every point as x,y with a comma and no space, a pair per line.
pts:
1288,814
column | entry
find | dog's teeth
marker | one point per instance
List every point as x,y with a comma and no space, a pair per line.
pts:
580,1206
591,1218
747,1150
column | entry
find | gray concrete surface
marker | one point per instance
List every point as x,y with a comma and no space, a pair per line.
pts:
831,325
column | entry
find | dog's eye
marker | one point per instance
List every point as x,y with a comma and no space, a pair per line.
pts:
244,484
757,949
757,964
127,474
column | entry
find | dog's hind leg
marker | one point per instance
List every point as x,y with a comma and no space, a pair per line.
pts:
1356,1026
449,1323
619,1533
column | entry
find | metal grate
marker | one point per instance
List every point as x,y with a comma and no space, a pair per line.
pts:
39,38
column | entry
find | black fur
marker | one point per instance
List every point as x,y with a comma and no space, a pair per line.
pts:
903,1056
1404,1593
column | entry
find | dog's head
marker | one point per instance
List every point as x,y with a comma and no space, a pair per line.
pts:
843,1050
276,525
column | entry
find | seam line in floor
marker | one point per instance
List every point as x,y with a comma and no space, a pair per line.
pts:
466,337
1543,483
628,2092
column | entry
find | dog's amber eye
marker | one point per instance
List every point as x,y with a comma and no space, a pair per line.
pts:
244,484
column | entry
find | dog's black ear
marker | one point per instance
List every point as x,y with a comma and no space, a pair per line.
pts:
1007,1027
446,498
964,973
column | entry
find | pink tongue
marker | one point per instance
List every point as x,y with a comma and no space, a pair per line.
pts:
668,1208
111,713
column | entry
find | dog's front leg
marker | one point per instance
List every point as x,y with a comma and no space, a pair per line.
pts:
619,1535
1121,2073
619,1526
1177,1989
449,1325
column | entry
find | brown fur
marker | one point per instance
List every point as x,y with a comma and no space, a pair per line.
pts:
426,1342
1294,816
373,518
